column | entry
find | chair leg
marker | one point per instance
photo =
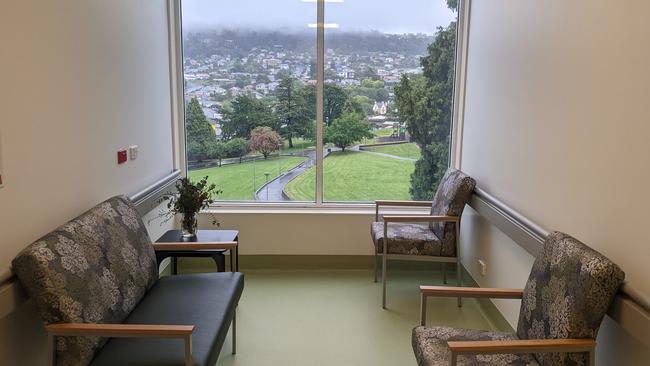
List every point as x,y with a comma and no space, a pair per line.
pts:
383,281
459,281
374,262
459,272
444,273
234,332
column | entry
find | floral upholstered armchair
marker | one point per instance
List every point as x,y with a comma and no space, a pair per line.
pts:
433,237
565,299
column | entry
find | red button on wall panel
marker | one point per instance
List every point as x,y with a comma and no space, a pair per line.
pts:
121,156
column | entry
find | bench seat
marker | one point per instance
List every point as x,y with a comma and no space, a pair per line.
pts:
206,300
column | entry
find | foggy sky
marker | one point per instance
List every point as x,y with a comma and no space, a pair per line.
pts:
389,16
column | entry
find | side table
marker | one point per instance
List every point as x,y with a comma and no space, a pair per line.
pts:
175,238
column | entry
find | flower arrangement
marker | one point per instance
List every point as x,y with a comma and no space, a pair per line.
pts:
190,199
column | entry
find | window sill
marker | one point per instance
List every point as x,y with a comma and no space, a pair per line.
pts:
311,209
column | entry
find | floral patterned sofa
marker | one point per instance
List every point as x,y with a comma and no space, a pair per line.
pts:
95,282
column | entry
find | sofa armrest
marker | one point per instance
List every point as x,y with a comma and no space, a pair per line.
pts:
522,346
120,330
183,332
185,246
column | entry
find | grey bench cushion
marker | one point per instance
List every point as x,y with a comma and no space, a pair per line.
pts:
206,300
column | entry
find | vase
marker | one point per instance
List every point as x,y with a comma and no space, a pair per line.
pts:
188,226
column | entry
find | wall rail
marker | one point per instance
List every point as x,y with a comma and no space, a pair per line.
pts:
631,308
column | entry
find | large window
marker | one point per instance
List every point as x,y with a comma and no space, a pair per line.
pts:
309,101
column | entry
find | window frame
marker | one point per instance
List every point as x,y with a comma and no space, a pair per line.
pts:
177,100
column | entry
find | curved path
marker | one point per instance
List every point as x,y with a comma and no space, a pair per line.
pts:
272,191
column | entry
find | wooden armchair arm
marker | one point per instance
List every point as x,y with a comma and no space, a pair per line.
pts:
460,292
476,292
399,203
121,331
421,218
522,346
185,246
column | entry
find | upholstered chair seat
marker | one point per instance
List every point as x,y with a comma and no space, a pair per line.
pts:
430,345
406,238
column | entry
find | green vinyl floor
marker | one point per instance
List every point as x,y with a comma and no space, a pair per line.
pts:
334,317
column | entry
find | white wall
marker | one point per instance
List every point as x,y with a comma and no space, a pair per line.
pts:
79,79
557,127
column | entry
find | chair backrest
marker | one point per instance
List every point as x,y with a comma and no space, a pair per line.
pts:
93,269
567,295
454,191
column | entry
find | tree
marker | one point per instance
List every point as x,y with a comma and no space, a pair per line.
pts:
424,103
264,140
291,110
218,151
334,98
347,130
244,114
236,148
200,135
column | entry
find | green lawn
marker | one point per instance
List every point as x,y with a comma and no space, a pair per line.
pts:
298,144
356,176
383,132
410,150
236,180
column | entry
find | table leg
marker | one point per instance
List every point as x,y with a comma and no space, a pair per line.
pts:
174,266
220,261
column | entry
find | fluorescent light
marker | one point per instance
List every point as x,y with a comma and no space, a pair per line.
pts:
325,25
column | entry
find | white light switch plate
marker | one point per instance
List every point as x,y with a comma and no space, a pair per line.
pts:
483,267
133,152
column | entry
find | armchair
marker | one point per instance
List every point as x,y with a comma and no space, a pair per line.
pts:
565,299
431,238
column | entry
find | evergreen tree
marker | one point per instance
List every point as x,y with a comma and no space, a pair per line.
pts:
425,104
291,110
334,98
199,133
244,114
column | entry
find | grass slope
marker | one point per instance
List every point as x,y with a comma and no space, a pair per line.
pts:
356,176
236,180
410,150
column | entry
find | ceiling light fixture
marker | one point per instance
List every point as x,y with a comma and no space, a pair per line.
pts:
325,25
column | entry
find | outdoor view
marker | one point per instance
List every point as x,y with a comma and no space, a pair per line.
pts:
250,91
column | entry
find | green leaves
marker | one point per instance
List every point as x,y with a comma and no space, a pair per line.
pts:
200,135
424,102
347,129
